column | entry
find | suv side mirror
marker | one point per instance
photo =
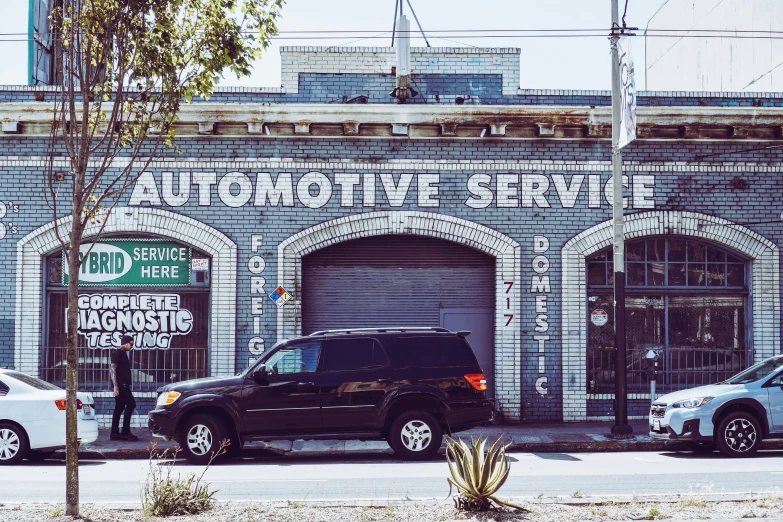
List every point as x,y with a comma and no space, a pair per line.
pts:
260,372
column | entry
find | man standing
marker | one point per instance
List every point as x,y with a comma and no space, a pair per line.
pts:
123,397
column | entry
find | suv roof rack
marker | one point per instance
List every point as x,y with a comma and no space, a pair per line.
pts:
381,330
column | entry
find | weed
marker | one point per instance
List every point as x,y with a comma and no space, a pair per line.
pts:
580,494
653,514
164,495
56,512
691,502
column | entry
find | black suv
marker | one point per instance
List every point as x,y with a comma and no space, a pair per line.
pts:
405,385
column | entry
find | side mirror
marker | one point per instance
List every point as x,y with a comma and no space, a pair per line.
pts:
260,372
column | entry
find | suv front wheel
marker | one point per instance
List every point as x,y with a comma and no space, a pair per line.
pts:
200,438
415,435
739,435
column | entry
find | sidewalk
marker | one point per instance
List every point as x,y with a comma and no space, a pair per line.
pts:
532,438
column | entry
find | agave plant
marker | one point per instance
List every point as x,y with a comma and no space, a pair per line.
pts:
477,475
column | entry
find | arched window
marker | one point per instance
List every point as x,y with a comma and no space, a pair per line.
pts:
685,299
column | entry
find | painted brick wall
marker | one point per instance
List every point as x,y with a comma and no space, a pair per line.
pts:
711,193
681,183
424,60
437,88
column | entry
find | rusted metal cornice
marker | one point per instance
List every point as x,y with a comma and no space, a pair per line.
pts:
32,118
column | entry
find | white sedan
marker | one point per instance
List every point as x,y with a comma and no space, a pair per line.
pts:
32,417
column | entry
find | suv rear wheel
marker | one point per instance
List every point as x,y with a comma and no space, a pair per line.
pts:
200,438
739,435
415,435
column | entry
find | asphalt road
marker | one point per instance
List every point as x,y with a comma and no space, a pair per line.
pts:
384,478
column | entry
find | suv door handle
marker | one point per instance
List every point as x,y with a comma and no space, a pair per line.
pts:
385,380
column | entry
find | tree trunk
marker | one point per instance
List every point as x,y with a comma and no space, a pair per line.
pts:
71,425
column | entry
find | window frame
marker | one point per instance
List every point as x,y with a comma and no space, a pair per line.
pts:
647,264
667,291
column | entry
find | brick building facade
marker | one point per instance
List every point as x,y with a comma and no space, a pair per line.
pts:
491,207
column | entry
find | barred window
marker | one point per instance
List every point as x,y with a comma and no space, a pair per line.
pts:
685,299
166,350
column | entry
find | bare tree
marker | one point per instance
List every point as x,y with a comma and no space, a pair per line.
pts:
123,69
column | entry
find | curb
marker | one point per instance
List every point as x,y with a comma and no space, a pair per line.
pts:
598,446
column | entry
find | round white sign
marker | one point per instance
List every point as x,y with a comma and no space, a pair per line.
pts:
599,317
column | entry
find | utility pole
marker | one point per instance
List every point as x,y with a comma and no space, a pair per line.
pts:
620,386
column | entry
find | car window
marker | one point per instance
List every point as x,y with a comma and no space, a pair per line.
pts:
261,360
3,389
776,381
341,355
33,382
435,351
302,358
755,373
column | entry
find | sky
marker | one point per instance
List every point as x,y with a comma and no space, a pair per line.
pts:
546,63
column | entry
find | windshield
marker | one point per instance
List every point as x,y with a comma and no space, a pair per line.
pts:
755,373
38,384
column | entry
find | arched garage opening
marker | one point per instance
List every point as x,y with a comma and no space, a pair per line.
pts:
400,280
506,287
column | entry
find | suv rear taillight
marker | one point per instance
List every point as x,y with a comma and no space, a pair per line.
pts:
61,404
477,381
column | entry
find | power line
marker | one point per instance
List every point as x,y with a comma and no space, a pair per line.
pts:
486,36
572,30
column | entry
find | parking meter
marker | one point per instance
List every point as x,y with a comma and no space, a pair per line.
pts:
652,372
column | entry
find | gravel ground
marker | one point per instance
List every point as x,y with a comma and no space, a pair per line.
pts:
691,508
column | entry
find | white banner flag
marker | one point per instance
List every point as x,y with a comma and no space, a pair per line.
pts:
628,92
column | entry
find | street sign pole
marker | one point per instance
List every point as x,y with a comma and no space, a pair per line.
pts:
621,400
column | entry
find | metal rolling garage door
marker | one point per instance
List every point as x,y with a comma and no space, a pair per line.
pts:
399,281
392,281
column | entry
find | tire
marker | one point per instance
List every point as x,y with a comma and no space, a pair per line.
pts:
13,443
415,435
200,438
702,447
38,456
739,435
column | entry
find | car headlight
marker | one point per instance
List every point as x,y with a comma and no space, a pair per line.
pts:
697,402
166,398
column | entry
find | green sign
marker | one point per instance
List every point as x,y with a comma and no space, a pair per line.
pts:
133,262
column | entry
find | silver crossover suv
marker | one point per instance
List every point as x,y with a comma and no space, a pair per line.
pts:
734,415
